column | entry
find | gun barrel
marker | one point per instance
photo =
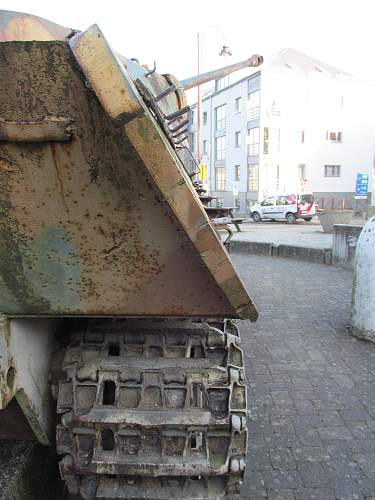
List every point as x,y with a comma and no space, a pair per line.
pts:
194,81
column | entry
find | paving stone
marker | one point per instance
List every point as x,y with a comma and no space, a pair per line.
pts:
281,495
366,462
335,432
363,445
344,468
311,454
366,486
282,458
281,479
360,430
358,414
308,436
315,494
331,418
347,489
314,475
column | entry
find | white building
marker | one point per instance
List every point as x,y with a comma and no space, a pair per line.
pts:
296,124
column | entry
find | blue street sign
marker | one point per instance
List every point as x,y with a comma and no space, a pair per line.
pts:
361,186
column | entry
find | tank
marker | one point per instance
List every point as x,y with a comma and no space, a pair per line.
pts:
119,302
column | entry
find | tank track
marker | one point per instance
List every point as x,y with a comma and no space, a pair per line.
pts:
153,409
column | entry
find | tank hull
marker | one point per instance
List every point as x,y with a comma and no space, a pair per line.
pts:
98,219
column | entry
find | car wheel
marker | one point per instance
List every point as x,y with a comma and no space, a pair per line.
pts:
308,219
255,216
290,218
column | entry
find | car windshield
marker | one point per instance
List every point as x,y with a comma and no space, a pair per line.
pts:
306,198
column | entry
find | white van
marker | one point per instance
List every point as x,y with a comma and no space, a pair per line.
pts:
287,207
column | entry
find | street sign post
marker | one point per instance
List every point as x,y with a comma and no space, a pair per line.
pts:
361,186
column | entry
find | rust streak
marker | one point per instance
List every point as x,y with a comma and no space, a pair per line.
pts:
59,176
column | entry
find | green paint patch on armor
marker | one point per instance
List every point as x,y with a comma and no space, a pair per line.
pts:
53,266
16,293
143,132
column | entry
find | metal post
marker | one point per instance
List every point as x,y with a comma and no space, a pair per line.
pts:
199,132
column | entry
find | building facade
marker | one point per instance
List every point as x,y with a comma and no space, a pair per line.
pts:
297,124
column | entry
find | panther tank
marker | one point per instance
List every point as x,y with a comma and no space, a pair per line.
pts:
118,300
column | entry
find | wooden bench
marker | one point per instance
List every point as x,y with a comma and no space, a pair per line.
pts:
227,212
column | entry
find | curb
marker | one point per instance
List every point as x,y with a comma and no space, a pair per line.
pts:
316,255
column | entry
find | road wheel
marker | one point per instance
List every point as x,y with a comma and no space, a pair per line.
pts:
308,219
290,218
255,216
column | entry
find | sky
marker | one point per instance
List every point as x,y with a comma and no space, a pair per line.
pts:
338,32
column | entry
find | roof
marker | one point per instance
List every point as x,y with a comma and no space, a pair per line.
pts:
295,60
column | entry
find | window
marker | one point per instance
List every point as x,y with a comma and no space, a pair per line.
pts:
253,141
268,202
266,141
221,121
301,136
253,182
334,136
194,116
237,137
237,172
220,178
271,140
220,148
302,174
275,108
237,204
306,198
221,83
192,142
205,147
238,104
281,200
332,170
204,117
253,84
277,177
253,106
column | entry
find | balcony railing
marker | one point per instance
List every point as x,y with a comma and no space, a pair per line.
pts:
221,125
253,149
253,113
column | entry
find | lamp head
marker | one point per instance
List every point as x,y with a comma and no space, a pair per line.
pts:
225,51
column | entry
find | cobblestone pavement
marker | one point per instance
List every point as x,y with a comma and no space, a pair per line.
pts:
312,386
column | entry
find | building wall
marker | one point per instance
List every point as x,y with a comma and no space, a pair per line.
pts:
317,105
292,102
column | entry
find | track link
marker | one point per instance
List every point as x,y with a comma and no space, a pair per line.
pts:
153,409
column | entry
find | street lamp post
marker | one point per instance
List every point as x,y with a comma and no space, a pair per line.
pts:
199,128
224,52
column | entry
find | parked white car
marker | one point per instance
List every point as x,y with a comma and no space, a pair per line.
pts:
288,207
